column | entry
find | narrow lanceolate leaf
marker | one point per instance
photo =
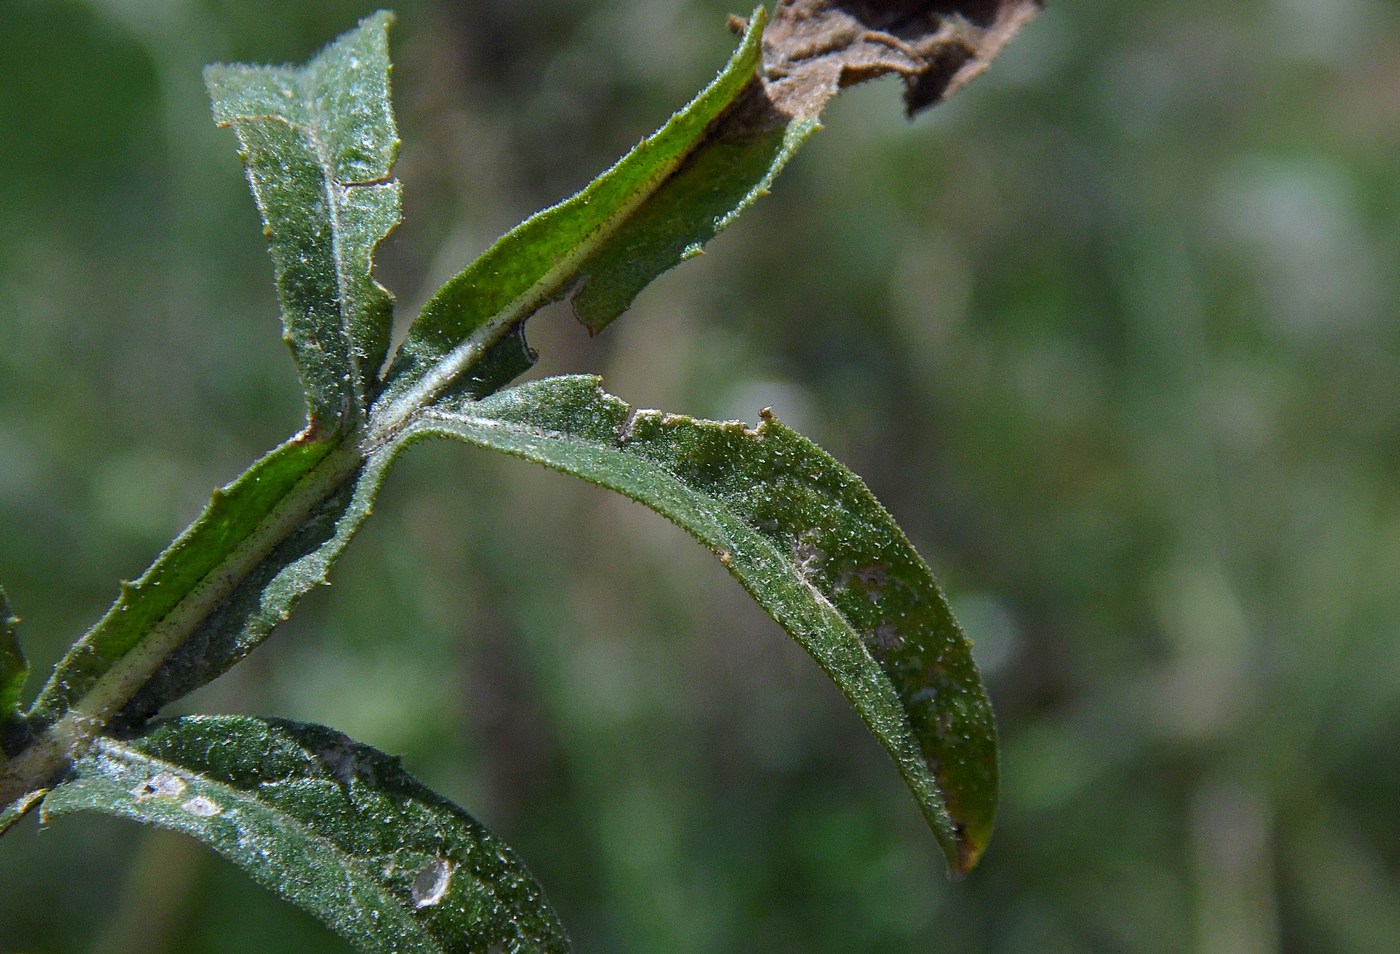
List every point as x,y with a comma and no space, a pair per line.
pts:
319,143
548,254
335,827
243,523
668,197
266,596
218,590
810,543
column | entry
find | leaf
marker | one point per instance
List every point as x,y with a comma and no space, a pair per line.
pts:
14,668
725,176
318,143
196,573
662,202
266,596
545,256
816,47
812,546
335,827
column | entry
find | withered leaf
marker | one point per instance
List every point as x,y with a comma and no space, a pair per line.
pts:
813,48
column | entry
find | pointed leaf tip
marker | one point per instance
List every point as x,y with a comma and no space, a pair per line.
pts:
811,545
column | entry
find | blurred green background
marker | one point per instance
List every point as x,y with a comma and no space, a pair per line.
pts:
1112,334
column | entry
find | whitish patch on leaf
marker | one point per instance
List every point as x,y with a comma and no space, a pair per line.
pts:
160,785
201,807
430,884
376,856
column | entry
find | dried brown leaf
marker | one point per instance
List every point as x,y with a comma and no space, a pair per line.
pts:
813,48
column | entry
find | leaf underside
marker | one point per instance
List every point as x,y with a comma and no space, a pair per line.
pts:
333,826
812,546
571,245
266,596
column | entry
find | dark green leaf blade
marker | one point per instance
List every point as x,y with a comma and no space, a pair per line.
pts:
546,256
194,569
319,144
221,588
267,595
721,180
14,668
810,543
219,535
334,827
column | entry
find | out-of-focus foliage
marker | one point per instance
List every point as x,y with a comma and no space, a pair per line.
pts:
1112,334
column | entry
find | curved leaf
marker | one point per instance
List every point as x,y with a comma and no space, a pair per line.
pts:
335,827
319,143
810,543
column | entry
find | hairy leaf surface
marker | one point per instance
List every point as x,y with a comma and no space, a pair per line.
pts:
810,543
335,827
318,143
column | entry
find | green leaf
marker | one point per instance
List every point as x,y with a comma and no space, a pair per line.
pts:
319,143
14,669
335,827
810,543
266,596
663,201
722,179
549,254
197,572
